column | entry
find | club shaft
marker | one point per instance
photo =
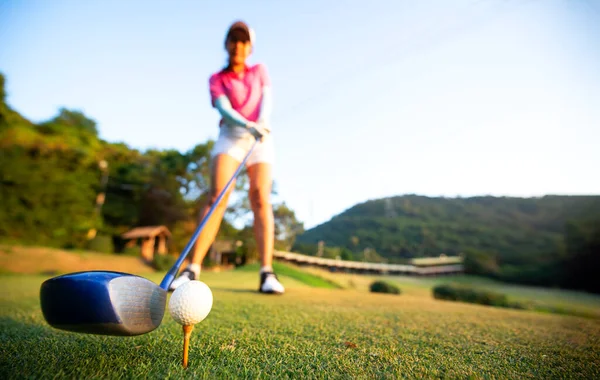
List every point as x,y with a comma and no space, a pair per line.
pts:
170,276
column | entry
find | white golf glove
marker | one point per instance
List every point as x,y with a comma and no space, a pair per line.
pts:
258,130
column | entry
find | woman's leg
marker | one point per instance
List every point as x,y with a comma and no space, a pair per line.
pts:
223,169
264,229
260,201
224,166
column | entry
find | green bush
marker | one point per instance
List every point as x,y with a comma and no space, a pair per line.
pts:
384,287
101,243
163,262
208,262
464,293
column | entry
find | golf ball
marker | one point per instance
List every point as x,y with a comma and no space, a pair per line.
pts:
190,303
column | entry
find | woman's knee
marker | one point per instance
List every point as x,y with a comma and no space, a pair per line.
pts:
260,198
214,197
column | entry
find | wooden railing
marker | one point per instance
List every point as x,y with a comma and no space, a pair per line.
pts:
361,267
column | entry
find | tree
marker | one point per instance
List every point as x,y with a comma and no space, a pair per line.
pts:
287,226
76,120
480,263
196,181
48,183
583,254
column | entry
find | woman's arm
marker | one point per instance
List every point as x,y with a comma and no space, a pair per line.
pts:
266,106
223,104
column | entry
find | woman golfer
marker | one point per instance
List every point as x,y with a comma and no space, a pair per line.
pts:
241,93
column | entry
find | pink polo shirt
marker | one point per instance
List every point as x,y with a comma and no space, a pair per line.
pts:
244,90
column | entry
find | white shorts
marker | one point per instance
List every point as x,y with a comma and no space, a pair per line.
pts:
237,141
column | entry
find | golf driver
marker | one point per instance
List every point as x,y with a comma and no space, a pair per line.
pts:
114,303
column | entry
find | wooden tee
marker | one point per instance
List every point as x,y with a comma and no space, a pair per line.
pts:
187,332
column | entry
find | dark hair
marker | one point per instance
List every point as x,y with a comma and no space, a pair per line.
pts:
237,34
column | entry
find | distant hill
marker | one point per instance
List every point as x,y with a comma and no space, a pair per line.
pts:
515,231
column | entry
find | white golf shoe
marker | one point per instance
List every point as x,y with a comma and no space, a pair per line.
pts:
270,284
186,275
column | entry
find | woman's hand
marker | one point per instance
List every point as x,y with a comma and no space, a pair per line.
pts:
258,130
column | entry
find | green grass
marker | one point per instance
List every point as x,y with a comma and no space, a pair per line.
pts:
297,274
309,332
557,301
304,277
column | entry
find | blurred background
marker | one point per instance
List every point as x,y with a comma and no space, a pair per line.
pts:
404,130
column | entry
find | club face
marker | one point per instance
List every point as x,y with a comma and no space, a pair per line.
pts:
103,302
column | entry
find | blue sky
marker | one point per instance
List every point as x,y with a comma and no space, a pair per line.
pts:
372,98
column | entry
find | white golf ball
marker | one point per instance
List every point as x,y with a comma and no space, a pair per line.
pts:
190,303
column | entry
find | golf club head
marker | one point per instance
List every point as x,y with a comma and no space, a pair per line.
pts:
103,302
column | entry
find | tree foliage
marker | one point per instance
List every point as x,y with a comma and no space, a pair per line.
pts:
582,257
287,226
546,241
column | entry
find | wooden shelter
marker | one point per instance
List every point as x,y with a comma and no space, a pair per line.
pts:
223,252
148,236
